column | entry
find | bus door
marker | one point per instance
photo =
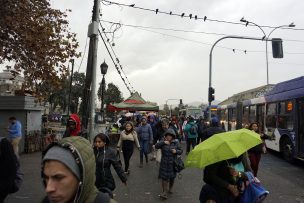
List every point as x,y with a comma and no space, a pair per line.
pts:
301,126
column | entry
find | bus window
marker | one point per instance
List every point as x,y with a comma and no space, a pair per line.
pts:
245,117
252,114
271,118
285,119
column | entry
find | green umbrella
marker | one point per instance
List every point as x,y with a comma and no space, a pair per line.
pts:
221,147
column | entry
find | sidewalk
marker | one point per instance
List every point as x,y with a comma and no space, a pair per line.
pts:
143,184
31,190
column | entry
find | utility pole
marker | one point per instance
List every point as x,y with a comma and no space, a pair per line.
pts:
70,88
90,80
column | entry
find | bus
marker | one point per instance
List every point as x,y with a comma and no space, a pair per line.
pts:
280,114
191,111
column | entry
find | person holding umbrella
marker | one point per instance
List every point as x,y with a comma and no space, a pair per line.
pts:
225,180
224,156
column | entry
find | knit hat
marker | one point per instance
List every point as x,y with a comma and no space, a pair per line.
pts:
64,156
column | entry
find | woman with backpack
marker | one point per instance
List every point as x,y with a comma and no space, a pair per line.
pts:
192,133
8,169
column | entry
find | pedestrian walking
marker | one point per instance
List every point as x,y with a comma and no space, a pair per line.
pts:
128,138
8,168
68,172
255,152
14,133
174,125
145,137
214,128
170,149
201,129
105,158
192,132
73,127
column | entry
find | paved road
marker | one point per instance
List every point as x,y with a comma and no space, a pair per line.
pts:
284,181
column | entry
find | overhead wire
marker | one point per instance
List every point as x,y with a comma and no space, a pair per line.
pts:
146,28
117,59
191,16
114,62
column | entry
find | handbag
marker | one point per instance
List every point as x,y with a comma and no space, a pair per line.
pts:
254,192
178,164
158,155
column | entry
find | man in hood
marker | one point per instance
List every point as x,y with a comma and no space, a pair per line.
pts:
73,127
68,172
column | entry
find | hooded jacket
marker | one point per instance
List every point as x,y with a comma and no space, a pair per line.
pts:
77,130
105,157
81,148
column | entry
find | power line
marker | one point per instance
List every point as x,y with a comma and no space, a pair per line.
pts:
190,16
114,62
85,48
145,28
117,60
180,30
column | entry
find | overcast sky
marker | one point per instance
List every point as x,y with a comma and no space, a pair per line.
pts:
162,64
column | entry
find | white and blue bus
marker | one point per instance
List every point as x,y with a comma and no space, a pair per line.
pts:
280,114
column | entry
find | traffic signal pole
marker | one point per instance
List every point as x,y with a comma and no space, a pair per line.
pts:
210,61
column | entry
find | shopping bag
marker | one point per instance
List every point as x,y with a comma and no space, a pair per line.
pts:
254,192
118,157
158,155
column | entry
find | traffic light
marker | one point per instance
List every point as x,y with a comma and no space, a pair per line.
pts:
210,94
180,101
277,48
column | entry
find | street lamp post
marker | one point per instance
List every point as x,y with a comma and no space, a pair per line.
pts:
103,69
210,61
290,25
266,40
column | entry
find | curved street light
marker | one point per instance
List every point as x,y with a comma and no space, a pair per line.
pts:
267,39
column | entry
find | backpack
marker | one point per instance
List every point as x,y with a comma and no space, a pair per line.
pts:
18,180
193,129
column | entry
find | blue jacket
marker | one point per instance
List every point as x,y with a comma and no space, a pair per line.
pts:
145,133
14,130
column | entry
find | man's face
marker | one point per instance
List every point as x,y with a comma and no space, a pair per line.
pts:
60,183
72,125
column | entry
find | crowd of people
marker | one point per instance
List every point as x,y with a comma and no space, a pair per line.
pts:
74,170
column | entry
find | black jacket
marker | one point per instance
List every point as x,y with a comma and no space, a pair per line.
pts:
105,157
